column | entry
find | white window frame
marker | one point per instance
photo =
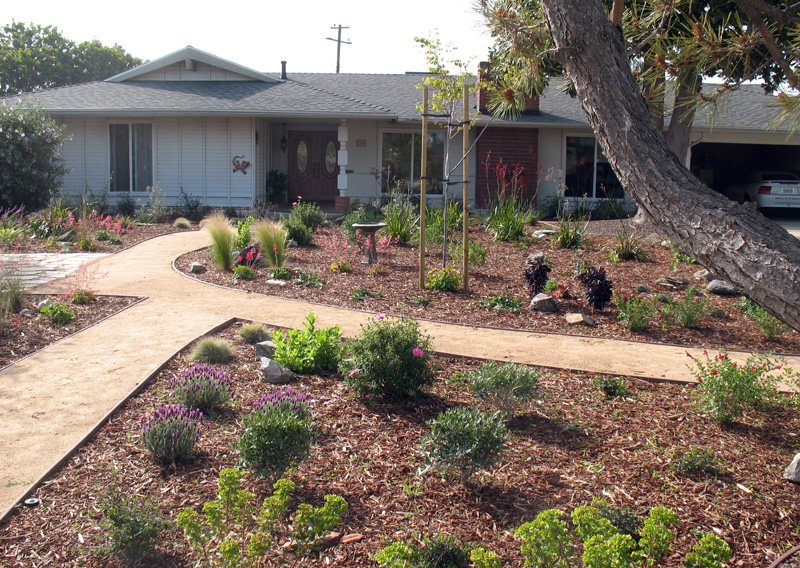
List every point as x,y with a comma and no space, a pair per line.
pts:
130,124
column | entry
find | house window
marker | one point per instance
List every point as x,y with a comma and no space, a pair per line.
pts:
587,172
401,158
131,151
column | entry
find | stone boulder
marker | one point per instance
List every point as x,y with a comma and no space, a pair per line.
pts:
721,288
577,319
275,373
277,283
673,282
265,349
792,473
46,303
703,274
538,257
197,268
544,303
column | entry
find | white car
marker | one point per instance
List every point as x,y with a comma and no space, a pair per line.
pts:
768,189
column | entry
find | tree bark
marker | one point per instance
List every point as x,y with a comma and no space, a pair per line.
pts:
683,112
733,241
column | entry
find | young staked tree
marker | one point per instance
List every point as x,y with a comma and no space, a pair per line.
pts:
578,38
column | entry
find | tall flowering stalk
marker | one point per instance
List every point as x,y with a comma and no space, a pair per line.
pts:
202,387
171,432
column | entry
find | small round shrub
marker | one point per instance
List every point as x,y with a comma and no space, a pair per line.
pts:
390,359
58,313
202,387
82,297
273,439
244,272
464,440
182,223
287,399
171,432
253,333
298,232
506,387
612,387
135,525
446,279
211,350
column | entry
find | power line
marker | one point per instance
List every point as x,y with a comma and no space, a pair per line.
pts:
339,43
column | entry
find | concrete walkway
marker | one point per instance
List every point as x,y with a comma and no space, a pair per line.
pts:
52,399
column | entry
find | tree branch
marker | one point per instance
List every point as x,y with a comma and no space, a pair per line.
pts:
755,16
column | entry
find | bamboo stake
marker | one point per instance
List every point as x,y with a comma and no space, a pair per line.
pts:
423,187
465,194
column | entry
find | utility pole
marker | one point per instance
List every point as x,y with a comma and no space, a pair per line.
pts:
339,43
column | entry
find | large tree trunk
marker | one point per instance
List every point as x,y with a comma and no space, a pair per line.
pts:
683,111
733,241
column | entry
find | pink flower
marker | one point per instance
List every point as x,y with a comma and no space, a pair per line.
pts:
353,372
418,352
379,317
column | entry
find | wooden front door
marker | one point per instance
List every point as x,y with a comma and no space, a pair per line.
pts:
313,166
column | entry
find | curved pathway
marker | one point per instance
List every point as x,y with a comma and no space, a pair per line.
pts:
50,401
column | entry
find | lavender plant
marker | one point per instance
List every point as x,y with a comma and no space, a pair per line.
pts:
171,432
288,399
202,387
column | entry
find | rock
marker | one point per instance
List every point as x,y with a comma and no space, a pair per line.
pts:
330,539
538,257
46,303
292,243
543,234
355,537
265,349
25,312
703,274
67,237
673,282
544,303
274,373
197,268
792,473
276,282
575,319
721,288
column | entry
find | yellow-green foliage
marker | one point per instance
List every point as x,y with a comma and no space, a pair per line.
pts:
222,236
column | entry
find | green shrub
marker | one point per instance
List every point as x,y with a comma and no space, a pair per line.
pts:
611,386
710,552
190,206
310,349
439,552
82,297
464,441
126,205
212,350
341,265
634,311
32,164
362,293
696,461
135,525
273,238
202,387
102,235
244,272
58,313
389,358
571,232
243,233
422,301
435,221
508,217
143,216
769,324
476,254
400,217
280,273
726,390
284,399
12,290
688,313
171,432
234,530
628,247
506,387
308,279
273,439
308,214
446,279
54,221
253,332
501,302
222,238
182,223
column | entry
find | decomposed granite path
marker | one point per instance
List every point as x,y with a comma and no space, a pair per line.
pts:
50,401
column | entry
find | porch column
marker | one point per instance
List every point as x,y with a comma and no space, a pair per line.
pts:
342,201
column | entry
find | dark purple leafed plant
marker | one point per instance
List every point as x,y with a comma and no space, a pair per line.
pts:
288,399
597,287
203,387
536,276
171,432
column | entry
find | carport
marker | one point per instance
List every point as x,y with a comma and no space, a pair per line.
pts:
722,164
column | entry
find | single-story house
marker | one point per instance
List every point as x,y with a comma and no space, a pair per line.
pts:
193,122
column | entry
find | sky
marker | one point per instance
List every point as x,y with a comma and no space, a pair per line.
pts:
260,35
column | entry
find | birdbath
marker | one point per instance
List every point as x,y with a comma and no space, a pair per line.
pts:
369,230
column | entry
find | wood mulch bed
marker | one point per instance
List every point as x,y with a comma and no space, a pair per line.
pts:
502,274
570,447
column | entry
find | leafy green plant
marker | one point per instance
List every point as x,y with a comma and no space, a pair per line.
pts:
611,386
439,552
126,205
597,287
476,254
182,223
82,297
222,239
502,302
310,349
422,301
303,220
635,312
508,216
102,235
435,221
58,313
535,276
445,279
273,439
726,390
341,265
628,247
143,215
389,358
135,525
273,238
234,530
55,220
308,279
688,313
190,206
570,232
400,217
463,441
280,273
362,293
243,232
285,399
212,350
710,552
695,461
203,387
171,432
244,272
678,256
254,332
506,387
769,324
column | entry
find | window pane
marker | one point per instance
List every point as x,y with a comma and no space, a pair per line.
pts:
607,183
302,156
330,157
142,156
396,160
579,170
435,161
120,158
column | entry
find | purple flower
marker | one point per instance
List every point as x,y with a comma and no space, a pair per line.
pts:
418,352
379,317
353,372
